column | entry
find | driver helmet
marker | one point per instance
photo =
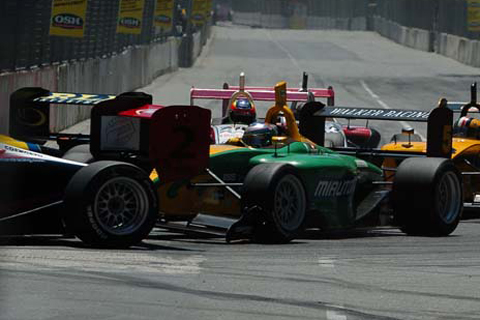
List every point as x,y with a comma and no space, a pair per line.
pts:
242,111
259,135
467,127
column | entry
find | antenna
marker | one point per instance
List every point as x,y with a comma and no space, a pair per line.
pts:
305,82
242,81
473,90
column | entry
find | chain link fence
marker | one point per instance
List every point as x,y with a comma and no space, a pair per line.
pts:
29,44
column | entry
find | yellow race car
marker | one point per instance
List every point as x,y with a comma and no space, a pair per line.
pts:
464,146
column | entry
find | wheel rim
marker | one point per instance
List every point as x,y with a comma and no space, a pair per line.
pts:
448,194
289,203
121,206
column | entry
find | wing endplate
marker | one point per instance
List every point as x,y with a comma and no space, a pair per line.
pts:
180,141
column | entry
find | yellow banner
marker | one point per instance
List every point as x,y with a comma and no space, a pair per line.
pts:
198,12
208,9
130,16
473,20
164,14
68,18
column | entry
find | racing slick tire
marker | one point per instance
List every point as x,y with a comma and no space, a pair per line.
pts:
278,193
110,204
404,138
427,196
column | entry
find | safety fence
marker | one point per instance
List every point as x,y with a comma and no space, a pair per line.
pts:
93,30
102,61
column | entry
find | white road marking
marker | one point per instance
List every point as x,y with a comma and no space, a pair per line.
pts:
326,262
335,315
384,105
332,314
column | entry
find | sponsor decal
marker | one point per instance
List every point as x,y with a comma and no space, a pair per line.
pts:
120,133
145,111
67,21
378,113
361,163
74,98
129,22
164,15
130,16
335,188
68,18
162,19
473,15
198,12
23,155
94,223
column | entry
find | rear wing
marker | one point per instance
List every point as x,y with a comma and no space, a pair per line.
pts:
30,116
30,111
326,93
255,93
439,123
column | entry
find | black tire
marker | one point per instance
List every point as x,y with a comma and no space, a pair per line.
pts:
80,153
265,186
110,204
427,196
404,138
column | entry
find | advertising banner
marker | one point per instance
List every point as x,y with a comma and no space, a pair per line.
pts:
208,9
130,16
473,15
198,12
68,18
164,14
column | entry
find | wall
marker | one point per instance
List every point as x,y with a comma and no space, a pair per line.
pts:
133,68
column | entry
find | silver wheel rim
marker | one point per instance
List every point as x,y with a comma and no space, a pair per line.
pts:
289,203
448,193
121,206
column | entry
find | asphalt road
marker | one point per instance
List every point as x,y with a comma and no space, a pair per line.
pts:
380,274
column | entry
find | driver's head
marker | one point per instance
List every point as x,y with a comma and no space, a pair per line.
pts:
242,111
259,135
467,127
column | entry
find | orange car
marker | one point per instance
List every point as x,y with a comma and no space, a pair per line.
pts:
464,145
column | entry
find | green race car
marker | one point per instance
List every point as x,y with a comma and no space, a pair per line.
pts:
271,184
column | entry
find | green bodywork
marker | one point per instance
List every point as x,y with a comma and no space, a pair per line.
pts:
335,184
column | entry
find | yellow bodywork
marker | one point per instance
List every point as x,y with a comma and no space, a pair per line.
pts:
15,143
178,200
465,156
